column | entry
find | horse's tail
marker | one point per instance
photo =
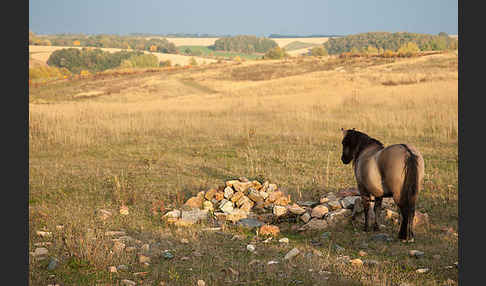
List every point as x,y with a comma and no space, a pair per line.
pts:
411,182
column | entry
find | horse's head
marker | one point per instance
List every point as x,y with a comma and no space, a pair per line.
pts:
350,145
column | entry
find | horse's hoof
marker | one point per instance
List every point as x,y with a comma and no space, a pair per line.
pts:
408,240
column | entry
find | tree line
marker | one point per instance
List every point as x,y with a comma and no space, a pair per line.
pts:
383,41
105,41
95,60
248,44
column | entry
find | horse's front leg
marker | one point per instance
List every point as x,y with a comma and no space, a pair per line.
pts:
377,210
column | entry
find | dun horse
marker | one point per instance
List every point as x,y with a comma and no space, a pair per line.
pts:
394,171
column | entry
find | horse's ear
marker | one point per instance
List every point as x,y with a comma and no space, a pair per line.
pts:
354,128
343,131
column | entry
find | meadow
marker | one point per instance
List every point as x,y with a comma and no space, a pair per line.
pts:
152,139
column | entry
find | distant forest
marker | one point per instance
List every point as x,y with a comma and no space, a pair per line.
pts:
104,41
301,36
389,41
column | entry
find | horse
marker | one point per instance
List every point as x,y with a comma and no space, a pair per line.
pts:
394,171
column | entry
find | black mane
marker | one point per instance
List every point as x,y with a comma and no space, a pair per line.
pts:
364,141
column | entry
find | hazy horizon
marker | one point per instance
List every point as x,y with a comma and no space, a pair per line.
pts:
260,18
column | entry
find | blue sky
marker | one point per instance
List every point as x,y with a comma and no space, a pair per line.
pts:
263,17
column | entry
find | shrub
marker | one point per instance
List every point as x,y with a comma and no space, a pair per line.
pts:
275,53
166,63
318,51
193,62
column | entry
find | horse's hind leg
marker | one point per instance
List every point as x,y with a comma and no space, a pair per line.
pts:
404,211
377,210
411,215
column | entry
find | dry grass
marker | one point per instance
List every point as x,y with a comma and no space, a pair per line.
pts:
165,136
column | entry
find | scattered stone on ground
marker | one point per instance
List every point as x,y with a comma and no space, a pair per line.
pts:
250,223
53,263
381,237
250,247
362,253
201,283
422,270
416,253
126,282
40,251
266,229
167,254
291,254
124,210
43,233
112,269
356,262
284,240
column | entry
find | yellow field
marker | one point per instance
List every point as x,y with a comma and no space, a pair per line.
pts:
42,53
136,140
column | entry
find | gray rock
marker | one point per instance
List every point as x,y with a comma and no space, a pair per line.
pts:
337,215
334,205
122,267
310,204
338,248
53,264
296,209
305,217
348,202
194,215
167,254
381,237
249,223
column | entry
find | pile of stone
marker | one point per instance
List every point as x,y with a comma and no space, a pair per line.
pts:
244,199
254,203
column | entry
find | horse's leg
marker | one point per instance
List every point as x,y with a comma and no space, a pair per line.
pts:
402,234
411,215
366,207
377,210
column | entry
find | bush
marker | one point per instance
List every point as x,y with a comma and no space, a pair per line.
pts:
318,51
141,61
166,63
192,62
275,53
47,72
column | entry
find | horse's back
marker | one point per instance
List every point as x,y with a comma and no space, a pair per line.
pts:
392,160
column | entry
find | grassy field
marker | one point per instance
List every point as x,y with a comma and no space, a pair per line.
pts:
144,139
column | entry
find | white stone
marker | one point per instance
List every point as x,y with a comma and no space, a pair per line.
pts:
173,214
291,254
41,251
250,247
228,193
126,282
